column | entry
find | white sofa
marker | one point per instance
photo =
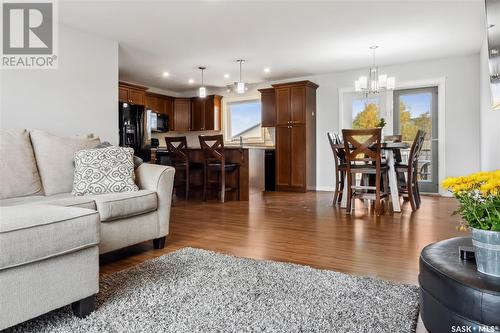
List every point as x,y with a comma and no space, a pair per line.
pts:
50,240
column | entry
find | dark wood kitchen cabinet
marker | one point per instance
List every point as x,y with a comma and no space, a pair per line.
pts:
161,104
268,105
182,114
131,93
206,113
153,102
295,135
168,109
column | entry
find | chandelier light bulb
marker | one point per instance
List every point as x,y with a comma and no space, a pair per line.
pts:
363,82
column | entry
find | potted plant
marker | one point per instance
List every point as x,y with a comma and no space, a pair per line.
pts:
478,198
381,123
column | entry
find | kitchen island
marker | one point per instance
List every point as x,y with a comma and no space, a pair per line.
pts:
251,175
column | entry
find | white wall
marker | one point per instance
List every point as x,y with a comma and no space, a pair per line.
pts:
490,120
462,146
77,98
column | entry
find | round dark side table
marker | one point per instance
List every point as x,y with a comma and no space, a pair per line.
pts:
454,296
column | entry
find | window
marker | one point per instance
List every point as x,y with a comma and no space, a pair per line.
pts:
365,113
358,111
243,119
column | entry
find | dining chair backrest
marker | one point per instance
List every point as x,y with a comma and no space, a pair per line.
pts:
213,147
338,152
176,147
416,147
362,145
338,137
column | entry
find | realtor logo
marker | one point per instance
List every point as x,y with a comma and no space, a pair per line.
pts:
28,34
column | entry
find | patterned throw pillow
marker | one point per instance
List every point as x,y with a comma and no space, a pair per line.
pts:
105,170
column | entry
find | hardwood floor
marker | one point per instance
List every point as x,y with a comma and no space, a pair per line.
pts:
304,228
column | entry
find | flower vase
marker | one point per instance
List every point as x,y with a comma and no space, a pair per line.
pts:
487,251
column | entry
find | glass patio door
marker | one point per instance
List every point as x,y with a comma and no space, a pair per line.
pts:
416,109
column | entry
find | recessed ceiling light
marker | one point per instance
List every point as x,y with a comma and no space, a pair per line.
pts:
226,76
191,81
166,74
267,70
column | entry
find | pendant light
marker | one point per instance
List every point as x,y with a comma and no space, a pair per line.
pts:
202,91
375,82
240,87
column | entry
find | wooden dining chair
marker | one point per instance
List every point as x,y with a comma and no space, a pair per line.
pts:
179,159
340,165
410,188
215,162
363,156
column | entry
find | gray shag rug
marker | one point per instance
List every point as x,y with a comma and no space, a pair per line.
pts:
193,290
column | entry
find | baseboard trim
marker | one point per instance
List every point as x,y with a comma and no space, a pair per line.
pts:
324,188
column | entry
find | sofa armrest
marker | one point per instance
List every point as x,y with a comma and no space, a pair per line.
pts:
158,178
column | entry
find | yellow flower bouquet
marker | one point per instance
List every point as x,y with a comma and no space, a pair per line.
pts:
478,196
479,205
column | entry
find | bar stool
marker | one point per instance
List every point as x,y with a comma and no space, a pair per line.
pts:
215,162
177,150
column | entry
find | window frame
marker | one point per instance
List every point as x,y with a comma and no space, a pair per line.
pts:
226,121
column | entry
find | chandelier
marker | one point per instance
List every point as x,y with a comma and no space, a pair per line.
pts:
374,83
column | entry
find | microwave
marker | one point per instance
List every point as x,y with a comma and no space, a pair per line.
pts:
159,122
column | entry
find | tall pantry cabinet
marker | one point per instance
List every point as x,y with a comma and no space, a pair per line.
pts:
295,136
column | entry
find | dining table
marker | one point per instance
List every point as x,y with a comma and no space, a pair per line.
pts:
389,149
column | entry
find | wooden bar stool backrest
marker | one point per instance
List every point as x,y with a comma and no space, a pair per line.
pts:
416,148
213,147
176,147
362,145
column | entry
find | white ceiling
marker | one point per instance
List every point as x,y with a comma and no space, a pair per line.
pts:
292,38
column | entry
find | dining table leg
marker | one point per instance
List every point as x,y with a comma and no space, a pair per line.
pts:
343,202
393,181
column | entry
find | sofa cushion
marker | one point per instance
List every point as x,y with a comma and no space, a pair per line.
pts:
61,199
44,231
18,171
54,157
113,206
104,170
